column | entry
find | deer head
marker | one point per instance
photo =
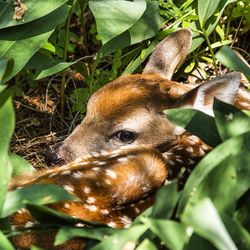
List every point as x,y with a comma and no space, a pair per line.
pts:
128,110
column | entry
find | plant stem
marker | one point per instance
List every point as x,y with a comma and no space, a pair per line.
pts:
66,44
211,50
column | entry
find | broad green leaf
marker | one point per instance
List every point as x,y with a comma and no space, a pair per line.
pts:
122,238
20,165
239,234
196,123
6,66
238,147
198,242
146,245
114,17
38,194
166,201
131,36
230,121
35,9
206,9
21,48
7,128
67,233
52,69
173,234
4,243
205,221
219,182
226,56
148,25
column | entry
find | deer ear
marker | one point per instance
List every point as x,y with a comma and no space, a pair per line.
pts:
169,54
224,88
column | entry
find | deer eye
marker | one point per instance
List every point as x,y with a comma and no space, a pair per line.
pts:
126,136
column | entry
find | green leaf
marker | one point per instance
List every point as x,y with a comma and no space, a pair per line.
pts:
35,9
38,194
67,233
206,9
20,165
122,238
239,148
134,64
206,222
7,128
146,245
115,17
148,26
5,244
20,43
219,182
172,233
52,69
196,122
226,56
6,66
239,234
166,201
230,121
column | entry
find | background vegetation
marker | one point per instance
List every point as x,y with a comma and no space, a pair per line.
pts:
55,54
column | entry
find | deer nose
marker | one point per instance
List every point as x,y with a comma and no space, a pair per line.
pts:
51,156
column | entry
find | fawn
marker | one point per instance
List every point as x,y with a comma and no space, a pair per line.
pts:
125,149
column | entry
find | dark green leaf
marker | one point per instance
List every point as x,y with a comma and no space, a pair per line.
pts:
230,121
115,17
21,43
4,243
206,9
20,166
35,9
122,238
146,245
7,127
6,66
52,69
239,148
38,194
166,201
67,233
196,123
232,61
206,222
172,233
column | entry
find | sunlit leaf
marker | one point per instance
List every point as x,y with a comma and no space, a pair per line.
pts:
205,221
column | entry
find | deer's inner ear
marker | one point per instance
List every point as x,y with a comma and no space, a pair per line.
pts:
169,54
224,88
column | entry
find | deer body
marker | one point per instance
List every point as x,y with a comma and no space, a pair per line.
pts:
123,127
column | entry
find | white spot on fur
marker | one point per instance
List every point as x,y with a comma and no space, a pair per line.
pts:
126,221
104,211
170,162
66,172
112,174
112,224
190,149
69,188
66,205
91,208
107,181
137,210
79,225
96,169
78,174
91,199
29,224
86,190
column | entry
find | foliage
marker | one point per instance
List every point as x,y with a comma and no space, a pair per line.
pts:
212,210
